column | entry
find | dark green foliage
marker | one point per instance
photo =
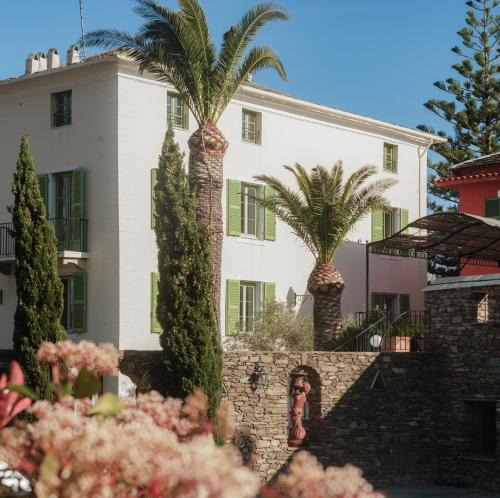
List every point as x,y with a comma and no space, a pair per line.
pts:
191,344
473,111
39,289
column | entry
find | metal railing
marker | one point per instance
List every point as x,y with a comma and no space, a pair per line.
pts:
383,331
61,118
71,235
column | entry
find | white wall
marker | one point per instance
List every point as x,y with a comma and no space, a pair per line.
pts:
119,121
286,138
91,141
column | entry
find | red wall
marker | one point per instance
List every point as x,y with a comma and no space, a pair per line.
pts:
472,196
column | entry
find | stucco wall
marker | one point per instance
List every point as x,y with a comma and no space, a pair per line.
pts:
91,142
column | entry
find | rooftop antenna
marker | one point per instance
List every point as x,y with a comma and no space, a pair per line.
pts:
82,28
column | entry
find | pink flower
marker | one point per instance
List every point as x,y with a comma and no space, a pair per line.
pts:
11,402
100,359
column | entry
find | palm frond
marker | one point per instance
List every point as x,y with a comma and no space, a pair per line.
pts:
177,46
234,46
324,209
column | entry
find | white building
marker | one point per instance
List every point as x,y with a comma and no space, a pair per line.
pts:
95,129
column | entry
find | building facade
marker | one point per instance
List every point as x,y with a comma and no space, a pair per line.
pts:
96,127
477,182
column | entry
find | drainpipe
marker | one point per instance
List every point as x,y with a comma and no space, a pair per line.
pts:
420,157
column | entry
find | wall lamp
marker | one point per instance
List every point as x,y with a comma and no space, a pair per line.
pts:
260,376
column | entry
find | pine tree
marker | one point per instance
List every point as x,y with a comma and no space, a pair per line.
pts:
39,288
192,354
473,113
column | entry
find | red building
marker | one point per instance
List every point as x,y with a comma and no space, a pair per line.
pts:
478,184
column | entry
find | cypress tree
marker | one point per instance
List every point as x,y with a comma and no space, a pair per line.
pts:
39,289
473,113
192,354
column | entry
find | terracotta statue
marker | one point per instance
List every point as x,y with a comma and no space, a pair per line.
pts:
299,389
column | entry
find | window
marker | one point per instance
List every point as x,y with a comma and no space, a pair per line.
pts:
388,222
250,128
244,301
250,304
482,429
64,197
482,308
390,158
74,316
492,208
177,111
245,214
251,211
61,109
384,302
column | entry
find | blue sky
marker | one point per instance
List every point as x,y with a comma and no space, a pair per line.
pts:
373,57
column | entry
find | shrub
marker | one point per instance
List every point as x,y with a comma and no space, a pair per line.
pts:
277,328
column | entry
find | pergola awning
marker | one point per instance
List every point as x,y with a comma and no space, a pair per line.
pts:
469,238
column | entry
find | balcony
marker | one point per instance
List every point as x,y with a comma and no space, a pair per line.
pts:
71,235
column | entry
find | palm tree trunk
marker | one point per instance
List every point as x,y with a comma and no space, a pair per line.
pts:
326,285
207,147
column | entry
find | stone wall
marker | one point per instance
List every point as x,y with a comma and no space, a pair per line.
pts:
468,365
384,425
372,410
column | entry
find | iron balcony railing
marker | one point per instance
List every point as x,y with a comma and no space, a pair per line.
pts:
71,235
383,331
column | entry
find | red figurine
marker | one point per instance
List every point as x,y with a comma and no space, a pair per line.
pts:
299,389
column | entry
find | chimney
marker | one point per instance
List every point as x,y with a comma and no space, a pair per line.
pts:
73,55
53,59
42,61
32,64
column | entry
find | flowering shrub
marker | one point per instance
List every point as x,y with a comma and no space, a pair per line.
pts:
145,447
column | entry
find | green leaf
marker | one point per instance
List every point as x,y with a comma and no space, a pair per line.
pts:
86,384
108,405
24,390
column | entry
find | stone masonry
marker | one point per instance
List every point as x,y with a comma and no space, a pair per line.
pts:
463,322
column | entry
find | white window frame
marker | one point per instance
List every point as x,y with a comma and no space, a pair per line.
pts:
390,159
247,321
258,210
251,131
183,118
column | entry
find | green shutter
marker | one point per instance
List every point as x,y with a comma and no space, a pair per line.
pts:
403,218
269,217
404,303
234,208
76,225
232,306
269,292
154,176
78,305
155,324
492,207
43,181
377,224
185,114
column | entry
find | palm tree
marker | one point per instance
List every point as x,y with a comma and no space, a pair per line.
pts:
322,213
176,46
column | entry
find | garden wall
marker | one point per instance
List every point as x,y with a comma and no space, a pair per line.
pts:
463,323
371,410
